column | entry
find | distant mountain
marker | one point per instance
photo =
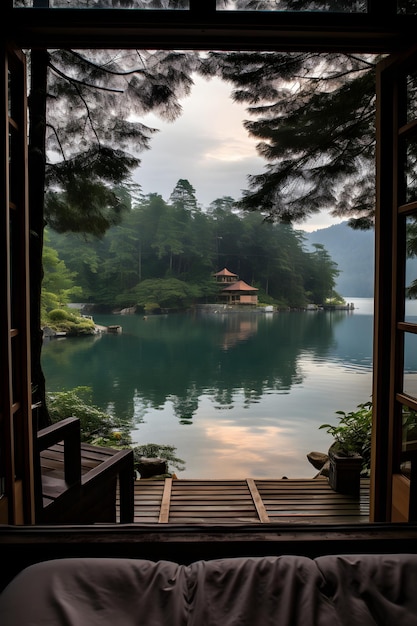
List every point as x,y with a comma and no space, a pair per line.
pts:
353,251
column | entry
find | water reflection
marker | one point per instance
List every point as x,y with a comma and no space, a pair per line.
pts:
238,328
238,395
181,358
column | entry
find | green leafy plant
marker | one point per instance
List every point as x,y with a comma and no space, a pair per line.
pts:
155,450
409,424
352,435
97,427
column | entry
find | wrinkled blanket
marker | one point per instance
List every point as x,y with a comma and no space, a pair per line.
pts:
286,591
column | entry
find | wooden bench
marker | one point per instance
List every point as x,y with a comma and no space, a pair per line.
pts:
76,483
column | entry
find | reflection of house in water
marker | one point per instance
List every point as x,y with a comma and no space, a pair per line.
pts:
239,330
236,291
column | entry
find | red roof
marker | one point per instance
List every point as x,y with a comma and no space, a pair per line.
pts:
240,285
225,272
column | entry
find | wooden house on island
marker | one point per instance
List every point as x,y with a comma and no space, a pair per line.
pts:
236,291
239,293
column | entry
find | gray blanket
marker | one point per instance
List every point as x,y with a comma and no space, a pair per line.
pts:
286,591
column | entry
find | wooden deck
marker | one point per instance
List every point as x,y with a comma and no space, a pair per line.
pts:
290,501
246,501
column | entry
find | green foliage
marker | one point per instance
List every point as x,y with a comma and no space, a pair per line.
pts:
321,277
57,289
409,425
336,298
97,427
63,320
411,290
151,307
165,256
168,293
352,435
155,450
81,198
58,281
59,315
80,326
183,196
92,96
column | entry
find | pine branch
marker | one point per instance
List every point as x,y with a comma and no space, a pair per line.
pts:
75,81
106,70
57,139
87,108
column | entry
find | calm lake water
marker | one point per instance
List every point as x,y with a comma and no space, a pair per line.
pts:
239,395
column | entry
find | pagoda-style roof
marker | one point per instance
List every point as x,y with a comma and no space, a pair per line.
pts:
225,272
240,285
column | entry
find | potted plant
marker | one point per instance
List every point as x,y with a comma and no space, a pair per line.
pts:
153,460
349,455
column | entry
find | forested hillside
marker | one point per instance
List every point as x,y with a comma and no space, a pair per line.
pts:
164,255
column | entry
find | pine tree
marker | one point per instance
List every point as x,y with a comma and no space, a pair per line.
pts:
314,118
84,135
183,196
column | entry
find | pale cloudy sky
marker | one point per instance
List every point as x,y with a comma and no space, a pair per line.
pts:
209,147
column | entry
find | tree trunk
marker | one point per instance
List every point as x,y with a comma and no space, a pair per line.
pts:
37,164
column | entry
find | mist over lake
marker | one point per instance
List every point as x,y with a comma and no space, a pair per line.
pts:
239,395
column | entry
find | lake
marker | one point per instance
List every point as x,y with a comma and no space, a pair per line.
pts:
239,395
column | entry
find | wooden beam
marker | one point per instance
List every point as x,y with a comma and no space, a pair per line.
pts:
257,500
377,31
166,500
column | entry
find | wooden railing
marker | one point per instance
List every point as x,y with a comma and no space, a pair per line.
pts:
64,494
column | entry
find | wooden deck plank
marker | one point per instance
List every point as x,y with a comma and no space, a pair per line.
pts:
263,515
294,501
208,501
165,504
312,502
251,500
52,459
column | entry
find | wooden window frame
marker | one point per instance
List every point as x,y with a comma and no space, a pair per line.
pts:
380,30
16,503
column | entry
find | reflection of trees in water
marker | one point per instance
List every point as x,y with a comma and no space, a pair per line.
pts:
179,357
185,407
63,351
223,398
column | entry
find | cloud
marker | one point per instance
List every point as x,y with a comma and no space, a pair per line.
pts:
230,150
207,145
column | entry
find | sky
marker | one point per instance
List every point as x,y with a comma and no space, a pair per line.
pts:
209,147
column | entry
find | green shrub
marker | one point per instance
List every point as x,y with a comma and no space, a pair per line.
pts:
97,427
60,315
352,435
80,327
65,321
